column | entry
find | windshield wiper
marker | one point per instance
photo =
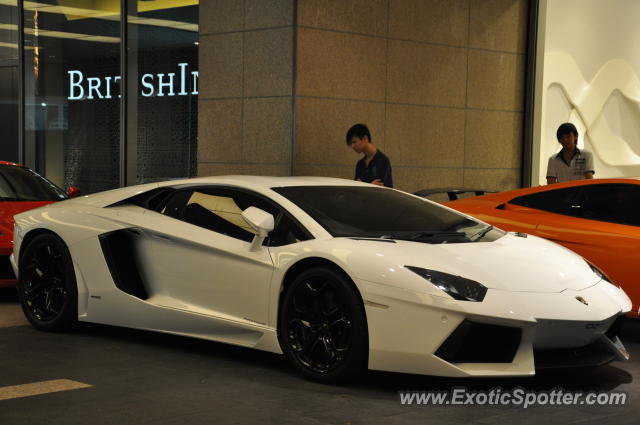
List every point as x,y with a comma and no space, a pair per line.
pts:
481,233
419,236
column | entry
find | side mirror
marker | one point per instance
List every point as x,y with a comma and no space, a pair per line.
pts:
260,221
73,191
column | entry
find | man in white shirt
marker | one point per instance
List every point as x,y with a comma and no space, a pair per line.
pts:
570,163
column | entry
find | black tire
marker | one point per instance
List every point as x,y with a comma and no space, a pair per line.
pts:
322,326
47,284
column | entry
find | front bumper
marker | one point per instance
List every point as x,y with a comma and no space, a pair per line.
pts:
603,350
412,333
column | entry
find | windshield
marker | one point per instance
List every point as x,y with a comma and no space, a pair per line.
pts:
371,212
22,184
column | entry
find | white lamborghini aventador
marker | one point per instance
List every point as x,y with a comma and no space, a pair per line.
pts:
338,275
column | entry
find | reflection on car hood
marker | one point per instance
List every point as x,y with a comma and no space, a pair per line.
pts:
510,263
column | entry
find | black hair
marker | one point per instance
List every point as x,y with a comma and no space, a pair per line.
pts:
566,128
359,131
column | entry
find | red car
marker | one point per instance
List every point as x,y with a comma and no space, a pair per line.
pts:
21,189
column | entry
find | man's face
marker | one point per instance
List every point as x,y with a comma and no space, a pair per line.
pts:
358,144
568,141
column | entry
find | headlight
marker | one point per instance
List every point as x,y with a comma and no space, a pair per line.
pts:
457,287
598,272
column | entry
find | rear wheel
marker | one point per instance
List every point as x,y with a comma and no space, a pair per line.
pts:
47,285
322,326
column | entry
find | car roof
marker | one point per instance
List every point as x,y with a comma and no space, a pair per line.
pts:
507,196
257,183
545,188
583,182
267,181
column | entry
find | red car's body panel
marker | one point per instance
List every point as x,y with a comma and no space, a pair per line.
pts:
613,248
7,210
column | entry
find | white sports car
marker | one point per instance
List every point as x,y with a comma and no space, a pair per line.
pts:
338,275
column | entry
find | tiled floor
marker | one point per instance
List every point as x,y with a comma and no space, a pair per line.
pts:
138,377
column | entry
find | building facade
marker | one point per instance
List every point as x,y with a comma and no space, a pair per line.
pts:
106,93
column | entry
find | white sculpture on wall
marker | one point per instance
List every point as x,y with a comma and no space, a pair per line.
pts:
606,111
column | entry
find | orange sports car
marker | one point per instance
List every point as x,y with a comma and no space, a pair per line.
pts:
599,219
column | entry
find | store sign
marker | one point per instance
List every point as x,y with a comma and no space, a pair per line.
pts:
182,83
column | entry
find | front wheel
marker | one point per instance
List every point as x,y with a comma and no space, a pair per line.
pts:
47,284
322,326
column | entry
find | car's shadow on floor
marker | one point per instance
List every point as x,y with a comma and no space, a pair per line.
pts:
631,330
8,295
276,371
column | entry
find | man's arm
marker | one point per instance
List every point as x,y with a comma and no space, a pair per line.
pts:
588,166
552,176
385,175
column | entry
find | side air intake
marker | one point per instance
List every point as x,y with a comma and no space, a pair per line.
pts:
473,342
119,252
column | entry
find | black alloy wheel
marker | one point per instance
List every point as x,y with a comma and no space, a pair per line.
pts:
322,326
47,285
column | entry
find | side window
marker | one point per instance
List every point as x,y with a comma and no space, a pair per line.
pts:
6,191
176,203
614,203
559,201
287,231
220,210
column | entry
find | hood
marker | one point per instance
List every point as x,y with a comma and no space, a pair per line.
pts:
511,263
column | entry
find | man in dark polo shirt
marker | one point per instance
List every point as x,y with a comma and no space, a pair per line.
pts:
374,167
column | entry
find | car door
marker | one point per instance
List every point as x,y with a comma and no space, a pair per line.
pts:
199,258
524,213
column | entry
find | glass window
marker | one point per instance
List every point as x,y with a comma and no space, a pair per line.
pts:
9,81
220,210
72,106
162,89
615,203
73,91
22,184
8,31
287,231
380,213
559,201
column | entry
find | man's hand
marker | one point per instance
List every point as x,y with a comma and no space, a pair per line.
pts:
377,182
